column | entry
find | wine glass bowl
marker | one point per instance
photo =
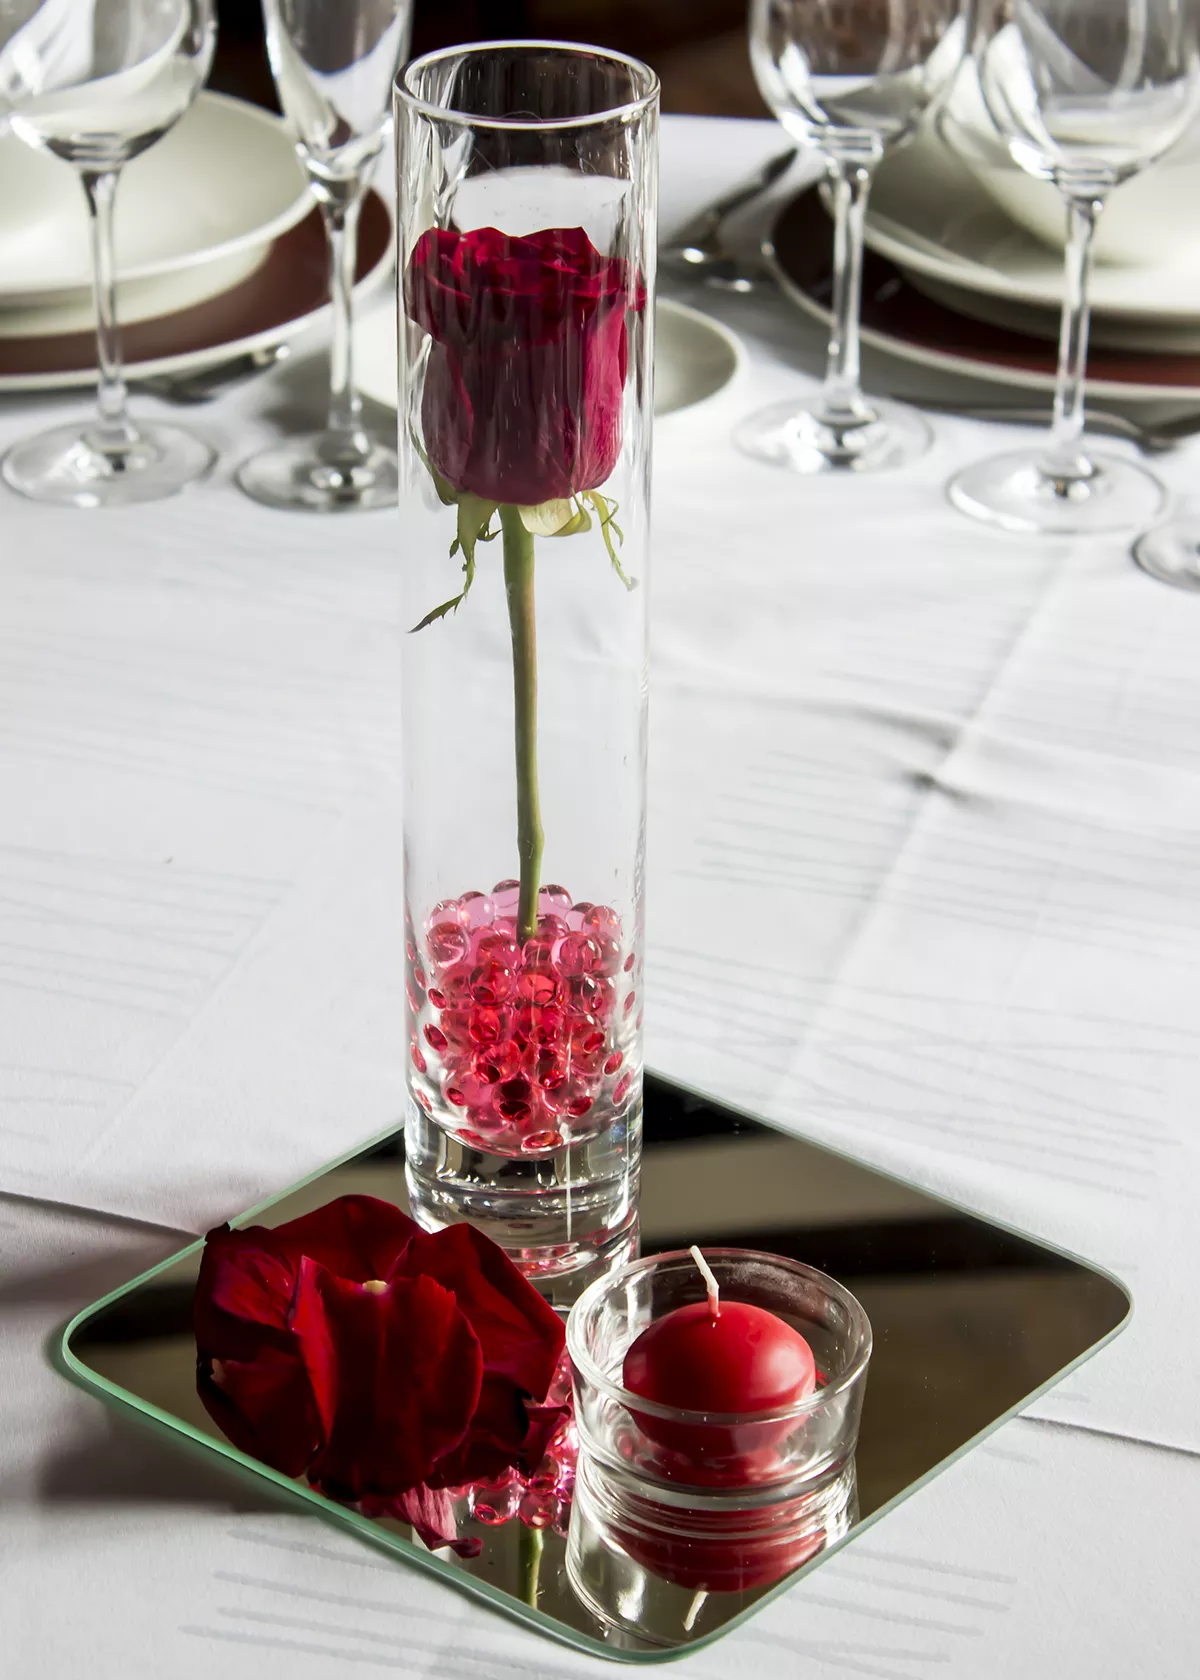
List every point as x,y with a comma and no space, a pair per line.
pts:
1083,93
334,66
97,97
851,79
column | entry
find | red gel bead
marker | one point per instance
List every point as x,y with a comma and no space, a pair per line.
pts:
629,960
456,986
436,998
456,1026
435,1037
498,948
490,983
629,1002
516,1099
554,899
586,1037
447,943
549,1069
418,1060
599,919
489,1026
536,1141
537,987
476,909
552,928
614,1062
578,954
745,1359
494,1065
621,1088
506,896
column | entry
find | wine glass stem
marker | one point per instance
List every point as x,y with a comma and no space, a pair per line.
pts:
1065,460
114,433
842,399
344,441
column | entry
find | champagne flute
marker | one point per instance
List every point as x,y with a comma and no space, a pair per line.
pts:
96,82
1084,93
334,63
851,79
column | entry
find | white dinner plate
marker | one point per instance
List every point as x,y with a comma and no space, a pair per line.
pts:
694,356
225,180
906,319
284,292
929,215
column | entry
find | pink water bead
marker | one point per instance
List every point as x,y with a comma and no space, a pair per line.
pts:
521,1028
447,943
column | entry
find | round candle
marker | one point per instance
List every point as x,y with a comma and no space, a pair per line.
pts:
718,1356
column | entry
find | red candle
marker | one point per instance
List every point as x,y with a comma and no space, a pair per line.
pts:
719,1356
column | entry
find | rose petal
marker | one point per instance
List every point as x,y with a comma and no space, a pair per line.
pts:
407,1369
431,1513
355,1237
243,1295
265,1408
505,1433
520,1336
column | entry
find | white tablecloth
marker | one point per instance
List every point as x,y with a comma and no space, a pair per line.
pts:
945,780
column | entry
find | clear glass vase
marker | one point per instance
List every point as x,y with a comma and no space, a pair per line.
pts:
527,178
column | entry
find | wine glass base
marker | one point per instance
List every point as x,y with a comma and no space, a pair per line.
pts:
305,474
1013,492
1171,554
64,466
798,436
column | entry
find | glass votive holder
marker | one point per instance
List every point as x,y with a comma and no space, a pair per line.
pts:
675,1510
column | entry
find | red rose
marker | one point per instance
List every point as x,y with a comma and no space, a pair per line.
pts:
355,1349
523,391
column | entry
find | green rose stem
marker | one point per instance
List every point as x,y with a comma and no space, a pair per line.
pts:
518,584
533,1543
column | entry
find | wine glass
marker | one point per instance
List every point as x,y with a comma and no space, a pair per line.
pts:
96,82
334,62
852,79
1084,93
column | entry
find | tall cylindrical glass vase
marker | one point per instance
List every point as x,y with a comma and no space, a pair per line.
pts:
527,194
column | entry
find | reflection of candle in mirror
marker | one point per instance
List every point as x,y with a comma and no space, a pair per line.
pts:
718,1356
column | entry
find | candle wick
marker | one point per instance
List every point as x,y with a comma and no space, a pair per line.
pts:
713,1287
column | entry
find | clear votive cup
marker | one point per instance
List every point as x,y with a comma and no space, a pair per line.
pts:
675,1511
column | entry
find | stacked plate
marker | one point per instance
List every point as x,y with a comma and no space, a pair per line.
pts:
965,269
219,250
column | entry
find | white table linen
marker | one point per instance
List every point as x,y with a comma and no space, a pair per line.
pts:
923,883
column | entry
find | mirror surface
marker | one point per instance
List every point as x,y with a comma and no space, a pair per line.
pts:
969,1319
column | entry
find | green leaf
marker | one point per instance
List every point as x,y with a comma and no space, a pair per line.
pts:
474,518
609,526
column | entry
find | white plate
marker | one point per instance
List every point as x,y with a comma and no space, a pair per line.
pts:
137,300
171,293
992,373
929,216
694,356
224,180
